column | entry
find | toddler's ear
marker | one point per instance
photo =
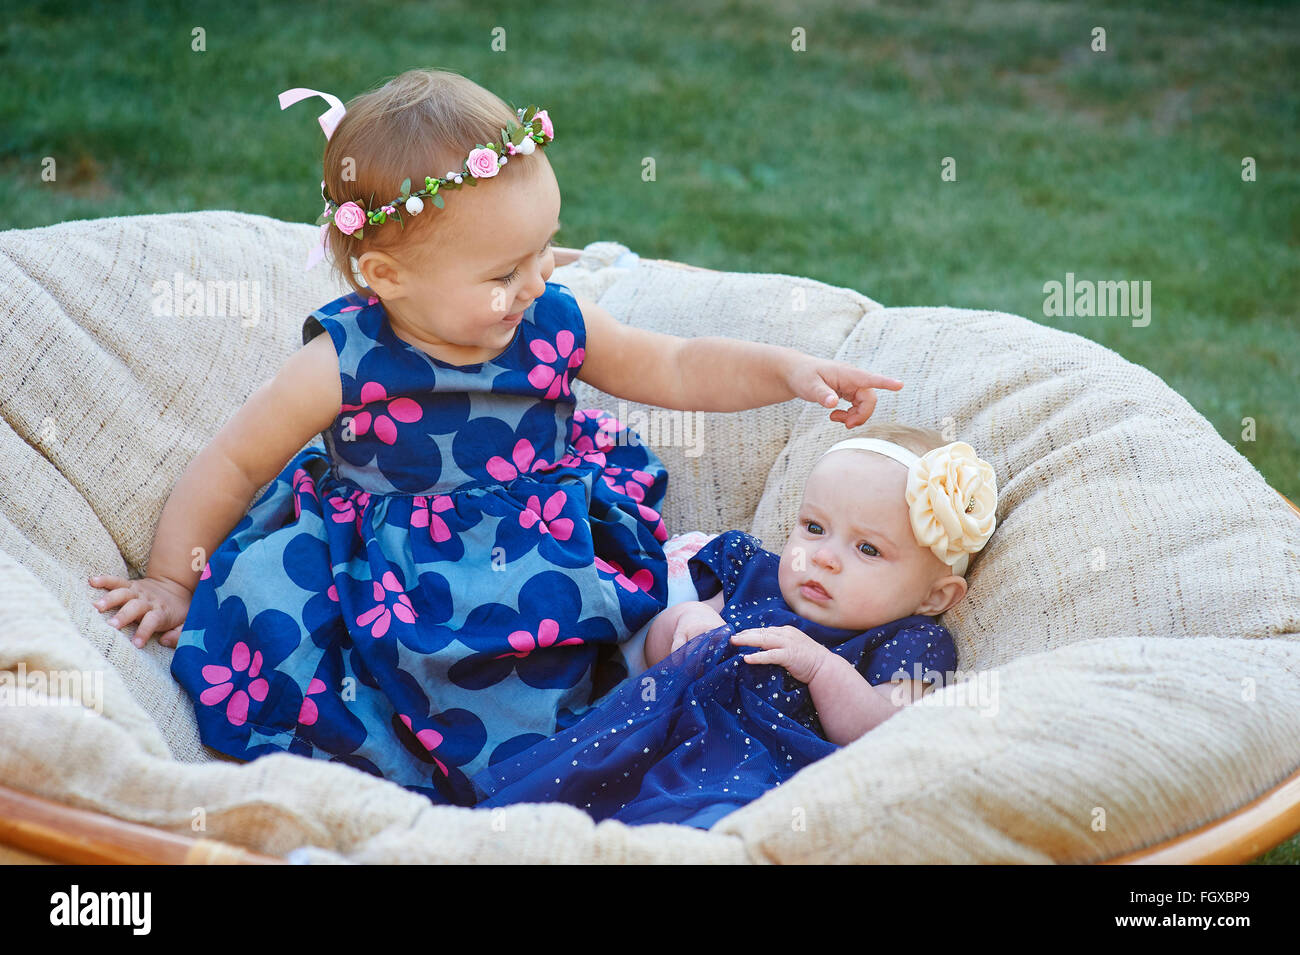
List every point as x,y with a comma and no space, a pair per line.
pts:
383,274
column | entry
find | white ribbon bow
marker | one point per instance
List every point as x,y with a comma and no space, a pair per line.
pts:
329,121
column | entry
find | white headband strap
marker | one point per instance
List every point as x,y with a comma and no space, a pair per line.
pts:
880,446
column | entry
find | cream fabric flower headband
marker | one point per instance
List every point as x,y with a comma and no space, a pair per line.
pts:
534,129
951,496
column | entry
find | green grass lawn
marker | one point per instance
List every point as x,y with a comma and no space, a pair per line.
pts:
1123,164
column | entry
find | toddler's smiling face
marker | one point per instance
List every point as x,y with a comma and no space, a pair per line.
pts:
851,560
459,293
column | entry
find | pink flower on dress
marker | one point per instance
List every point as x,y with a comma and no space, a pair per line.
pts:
523,460
568,461
641,580
423,514
405,410
650,515
633,486
221,683
634,482
356,308
308,713
302,482
380,614
524,643
593,449
546,518
430,739
350,508
544,376
483,163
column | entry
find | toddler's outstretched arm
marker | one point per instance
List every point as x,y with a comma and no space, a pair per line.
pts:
718,374
215,489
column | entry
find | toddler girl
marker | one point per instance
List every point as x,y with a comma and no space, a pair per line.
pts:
449,581
788,657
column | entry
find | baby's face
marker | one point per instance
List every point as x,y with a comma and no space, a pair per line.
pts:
851,560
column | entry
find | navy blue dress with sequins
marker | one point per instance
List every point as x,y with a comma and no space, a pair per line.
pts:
703,733
449,580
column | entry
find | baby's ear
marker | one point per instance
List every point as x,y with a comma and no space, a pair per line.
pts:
959,584
947,592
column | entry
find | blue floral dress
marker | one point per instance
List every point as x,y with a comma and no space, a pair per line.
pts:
447,582
703,733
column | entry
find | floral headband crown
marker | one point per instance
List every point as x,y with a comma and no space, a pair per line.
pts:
951,496
521,138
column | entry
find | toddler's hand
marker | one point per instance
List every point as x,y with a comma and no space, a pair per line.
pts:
160,605
694,621
825,382
788,647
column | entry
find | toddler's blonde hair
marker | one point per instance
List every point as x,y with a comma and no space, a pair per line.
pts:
423,122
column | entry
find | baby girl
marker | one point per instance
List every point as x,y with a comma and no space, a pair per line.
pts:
843,625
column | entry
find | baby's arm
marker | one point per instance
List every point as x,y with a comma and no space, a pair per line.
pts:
846,703
848,706
716,373
659,638
214,491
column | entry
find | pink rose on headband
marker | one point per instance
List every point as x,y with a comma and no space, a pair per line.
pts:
349,218
482,163
547,128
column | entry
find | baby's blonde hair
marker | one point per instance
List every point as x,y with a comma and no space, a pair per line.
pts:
423,122
916,440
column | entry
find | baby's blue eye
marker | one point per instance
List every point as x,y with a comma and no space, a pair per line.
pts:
811,525
874,552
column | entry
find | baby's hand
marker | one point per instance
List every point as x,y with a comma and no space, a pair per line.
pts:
160,605
695,620
825,382
788,647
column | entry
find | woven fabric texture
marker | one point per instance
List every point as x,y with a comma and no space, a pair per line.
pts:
1129,644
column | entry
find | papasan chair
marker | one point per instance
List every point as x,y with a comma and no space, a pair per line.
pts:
1131,636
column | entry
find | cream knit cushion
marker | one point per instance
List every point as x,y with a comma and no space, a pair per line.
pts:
1121,512
105,401
1122,516
117,397
1098,739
